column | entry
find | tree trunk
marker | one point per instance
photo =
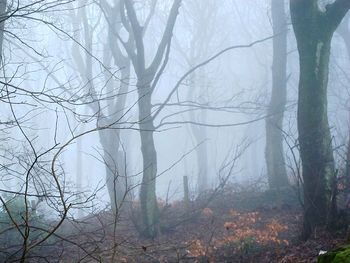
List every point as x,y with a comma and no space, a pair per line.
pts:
344,32
200,135
3,5
274,154
347,168
116,175
186,194
314,41
149,208
79,175
202,160
314,135
145,75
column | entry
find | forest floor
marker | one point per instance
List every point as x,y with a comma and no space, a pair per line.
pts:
236,227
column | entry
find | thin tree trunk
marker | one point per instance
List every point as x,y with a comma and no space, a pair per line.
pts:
202,160
186,194
274,154
116,175
116,179
200,135
114,158
79,175
148,187
3,5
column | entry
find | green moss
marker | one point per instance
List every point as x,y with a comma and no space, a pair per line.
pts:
340,255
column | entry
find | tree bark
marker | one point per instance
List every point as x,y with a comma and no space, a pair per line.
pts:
149,208
3,5
274,153
314,31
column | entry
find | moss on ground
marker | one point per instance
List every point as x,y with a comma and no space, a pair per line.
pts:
340,255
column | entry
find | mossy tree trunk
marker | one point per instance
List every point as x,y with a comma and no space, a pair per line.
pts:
314,31
274,154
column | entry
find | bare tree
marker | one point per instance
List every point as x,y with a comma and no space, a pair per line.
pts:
34,168
115,95
147,78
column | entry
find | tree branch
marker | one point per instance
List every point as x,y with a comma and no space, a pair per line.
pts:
336,12
189,72
167,35
138,35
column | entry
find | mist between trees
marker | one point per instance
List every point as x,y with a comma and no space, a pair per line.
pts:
123,122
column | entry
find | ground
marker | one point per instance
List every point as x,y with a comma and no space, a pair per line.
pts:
228,226
232,227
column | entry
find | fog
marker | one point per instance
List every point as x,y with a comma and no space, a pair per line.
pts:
109,108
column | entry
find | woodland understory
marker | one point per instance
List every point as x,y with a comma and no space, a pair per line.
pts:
245,225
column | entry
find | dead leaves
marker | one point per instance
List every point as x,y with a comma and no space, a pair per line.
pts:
243,230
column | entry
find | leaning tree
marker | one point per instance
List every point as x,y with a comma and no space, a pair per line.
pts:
314,26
